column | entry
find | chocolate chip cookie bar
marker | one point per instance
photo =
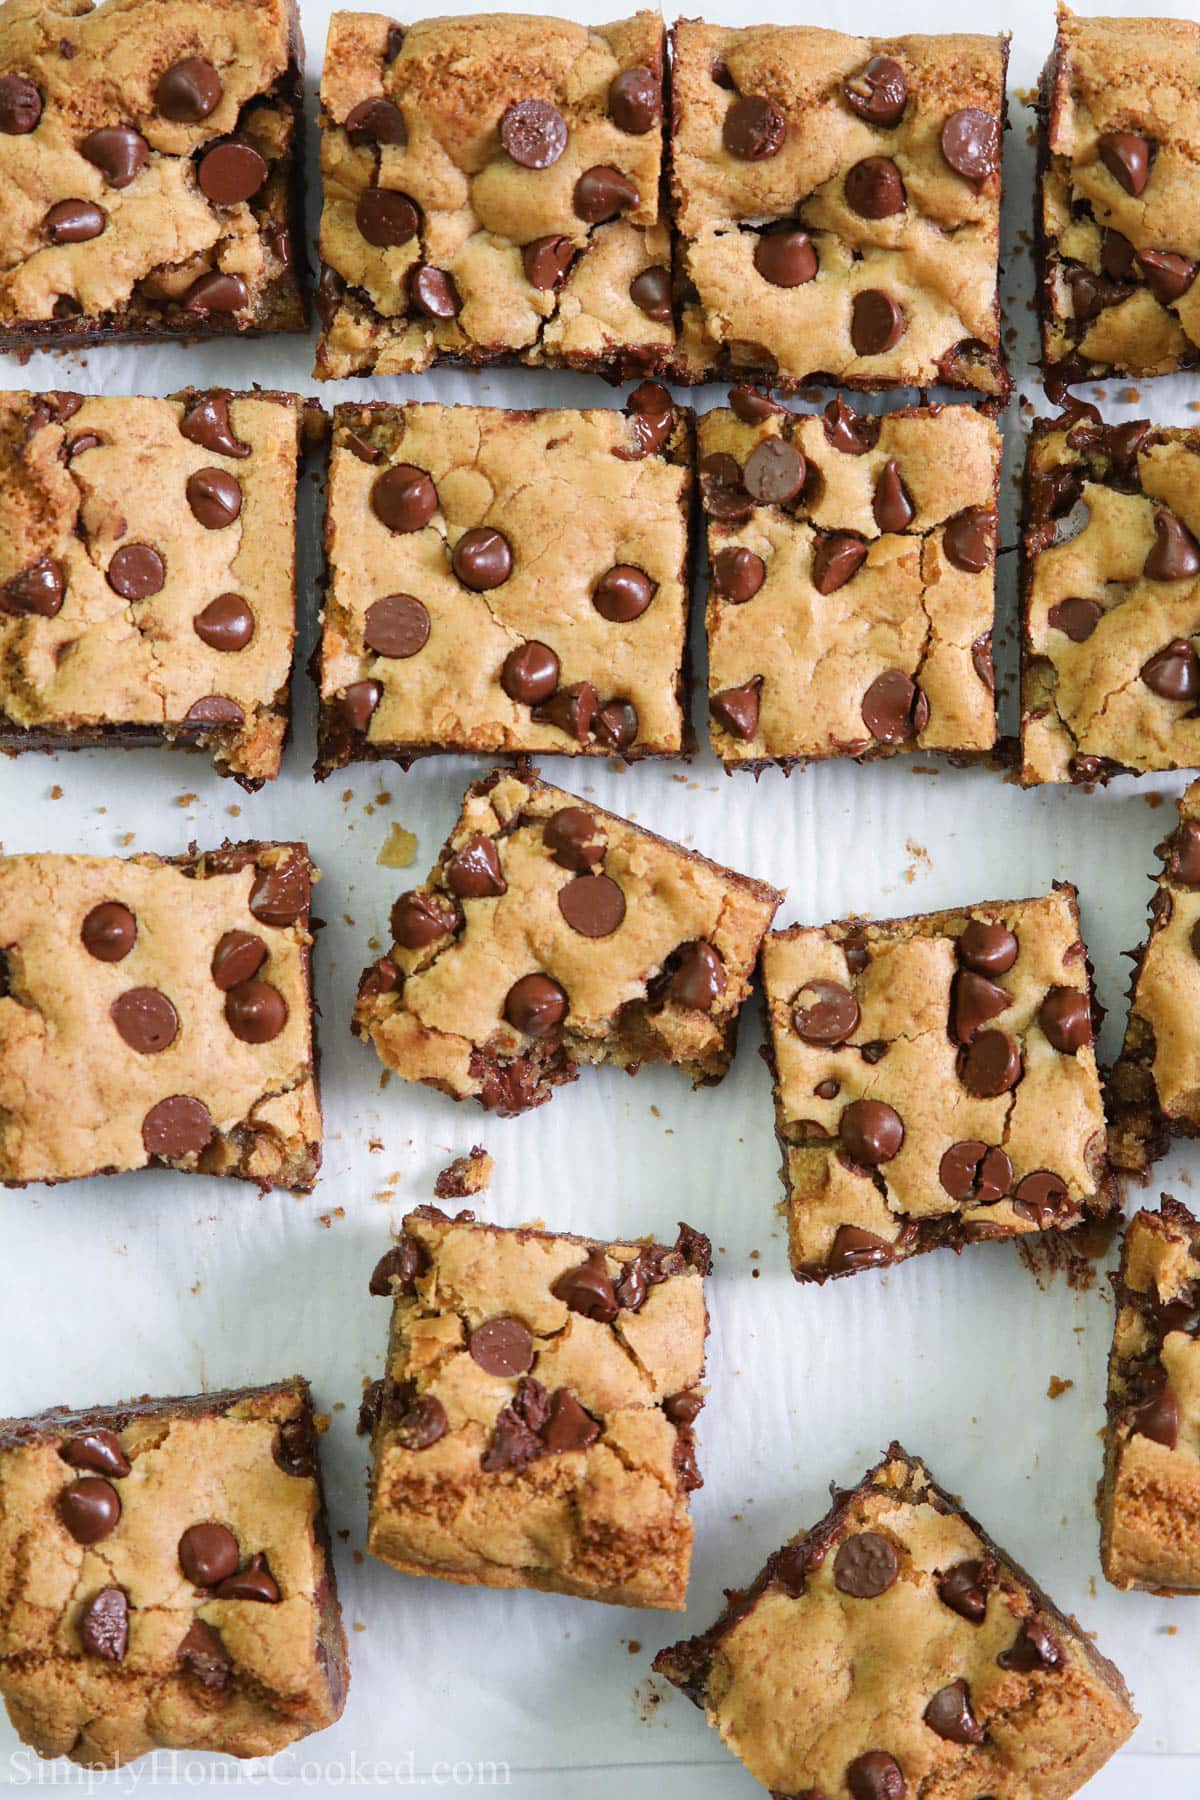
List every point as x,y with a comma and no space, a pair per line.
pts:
507,581
896,1650
492,194
158,1012
1119,241
148,574
534,1427
852,580
927,1071
149,170
1154,1091
551,934
837,201
1150,1496
166,1579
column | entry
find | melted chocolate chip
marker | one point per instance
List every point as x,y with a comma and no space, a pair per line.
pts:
866,1565
226,623
104,1625
188,91
878,92
698,979
396,626
970,142
473,872
1126,156
1076,617
635,101
215,498
825,1013
738,574
987,947
949,1714
976,1172
871,1132
533,133
90,1509
404,498
786,258
774,472
1066,1018
891,504
536,1004
547,261
502,1347
203,1656
965,1587
529,673
177,1127
97,1450
208,1552
1173,673
875,188
255,1012
735,709
145,1019
587,1288
482,559
894,708
136,572
376,121
592,905
206,422
991,1065
239,955
876,322
1175,554
109,931
231,173
1033,1648
602,193
119,152
754,128
575,838
835,561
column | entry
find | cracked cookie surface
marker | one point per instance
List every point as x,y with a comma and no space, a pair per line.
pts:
165,1578
838,205
551,934
492,193
149,177
534,1425
895,1649
928,1071
148,573
156,1011
506,581
852,588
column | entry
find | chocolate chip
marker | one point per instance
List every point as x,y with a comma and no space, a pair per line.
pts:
215,498
588,1289
119,152
90,1509
875,189
891,505
278,239
754,128
109,931
98,1450
1076,617
206,422
865,1566
230,173
774,472
602,193
651,293
529,674
876,1776
991,1065
752,406
386,218
949,1714
785,258
974,1001
616,725
1116,255
575,838
376,121
871,1132
281,891
515,1440
38,589
1183,855
1033,1648
533,133
145,1019
1175,554
684,1408
1066,1018
738,574
635,101
722,490
396,626
975,1171
1040,1197
399,1268
178,1126
835,561
965,1587
698,979
736,709
1174,671
971,143
850,433
73,222
894,708
825,1013
502,1347
254,1582
226,624
878,92
404,498
382,977
433,292
827,1090
854,1249
188,91
592,905
652,415
969,540
104,1625
1167,276
568,1426
208,1553
482,559
213,709
239,955
1158,1416
473,872
536,1005
394,44
1126,156
217,293
255,1012
623,593
422,1425
136,571
20,105
876,322
202,1655
547,261
988,947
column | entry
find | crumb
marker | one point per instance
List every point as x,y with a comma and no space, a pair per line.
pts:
754,1274
372,943
345,1535
465,1175
375,1145
655,1112
56,792
127,838
1073,1254
646,1698
339,1406
1092,1586
754,1255
1058,1386
922,769
399,850
634,1647
321,1423
196,1286
358,1556
1154,801
359,1626
235,812
347,794
1129,396
1170,1630
326,1219
186,799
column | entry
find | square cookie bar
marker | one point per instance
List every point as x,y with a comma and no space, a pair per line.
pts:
1119,221
896,1650
927,1071
837,201
158,1011
1154,1090
550,934
492,194
1110,594
148,574
852,581
150,170
166,1579
534,1425
1150,1498
507,581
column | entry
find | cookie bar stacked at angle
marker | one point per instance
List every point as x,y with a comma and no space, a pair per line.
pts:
506,581
534,1426
158,1011
551,934
492,193
837,201
935,1081
148,573
853,581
